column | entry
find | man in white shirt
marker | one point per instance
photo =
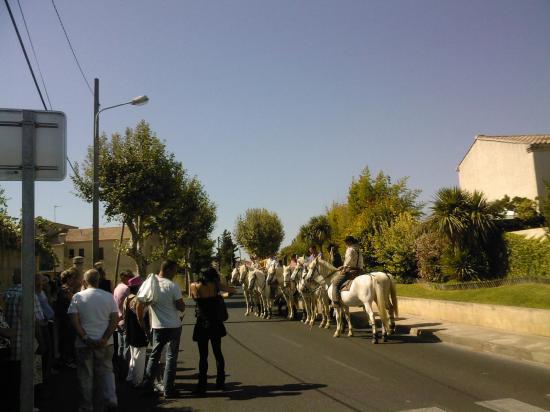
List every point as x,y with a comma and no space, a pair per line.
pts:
94,315
166,324
353,266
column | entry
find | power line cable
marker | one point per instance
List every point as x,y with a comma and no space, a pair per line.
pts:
72,49
34,53
33,76
25,53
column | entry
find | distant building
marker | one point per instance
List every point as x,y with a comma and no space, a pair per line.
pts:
78,242
506,165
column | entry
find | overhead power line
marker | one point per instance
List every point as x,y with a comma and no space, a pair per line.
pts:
25,53
72,49
34,53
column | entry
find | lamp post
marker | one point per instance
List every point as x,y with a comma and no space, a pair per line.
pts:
137,101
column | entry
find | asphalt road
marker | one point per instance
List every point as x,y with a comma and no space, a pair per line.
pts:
279,365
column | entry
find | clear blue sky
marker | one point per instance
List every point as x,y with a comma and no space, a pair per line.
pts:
278,104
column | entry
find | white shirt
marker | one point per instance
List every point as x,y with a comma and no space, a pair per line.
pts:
163,310
353,258
94,307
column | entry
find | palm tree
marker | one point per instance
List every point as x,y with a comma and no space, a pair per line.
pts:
317,231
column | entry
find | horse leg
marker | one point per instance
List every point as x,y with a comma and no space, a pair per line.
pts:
391,310
247,302
338,315
348,319
368,308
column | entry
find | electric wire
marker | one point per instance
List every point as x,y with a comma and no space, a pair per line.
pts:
33,76
25,53
71,47
35,55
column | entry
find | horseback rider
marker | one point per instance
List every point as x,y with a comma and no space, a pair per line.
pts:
313,253
353,266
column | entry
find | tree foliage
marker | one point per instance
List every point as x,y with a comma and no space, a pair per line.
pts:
143,185
226,253
316,232
394,246
260,232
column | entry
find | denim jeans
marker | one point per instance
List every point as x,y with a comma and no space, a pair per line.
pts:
96,378
162,337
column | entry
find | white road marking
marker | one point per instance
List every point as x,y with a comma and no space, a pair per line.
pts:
432,409
510,405
291,342
351,368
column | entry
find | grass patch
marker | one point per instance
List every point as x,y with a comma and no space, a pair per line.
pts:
527,295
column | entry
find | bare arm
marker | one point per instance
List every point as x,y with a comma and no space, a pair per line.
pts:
227,288
113,321
140,312
180,304
75,320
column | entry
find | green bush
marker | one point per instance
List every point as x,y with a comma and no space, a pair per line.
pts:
394,246
429,248
527,257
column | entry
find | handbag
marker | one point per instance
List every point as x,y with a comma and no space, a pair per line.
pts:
149,291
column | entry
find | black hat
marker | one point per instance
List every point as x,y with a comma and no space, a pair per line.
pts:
350,240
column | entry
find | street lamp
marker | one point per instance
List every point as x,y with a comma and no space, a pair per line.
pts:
136,101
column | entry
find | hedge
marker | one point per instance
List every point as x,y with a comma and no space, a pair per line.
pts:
527,257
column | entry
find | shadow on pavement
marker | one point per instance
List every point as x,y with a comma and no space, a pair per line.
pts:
238,392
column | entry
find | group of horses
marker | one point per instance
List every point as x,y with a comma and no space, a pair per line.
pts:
311,282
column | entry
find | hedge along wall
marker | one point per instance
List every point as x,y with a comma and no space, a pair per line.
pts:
527,257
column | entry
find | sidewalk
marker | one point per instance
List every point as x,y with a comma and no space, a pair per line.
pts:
520,347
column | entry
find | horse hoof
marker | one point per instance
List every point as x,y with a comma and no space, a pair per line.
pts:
327,326
385,338
375,341
350,334
336,335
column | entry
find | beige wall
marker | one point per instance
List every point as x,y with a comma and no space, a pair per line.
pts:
498,169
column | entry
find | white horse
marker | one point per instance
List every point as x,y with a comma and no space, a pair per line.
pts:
307,291
239,276
365,289
260,291
288,290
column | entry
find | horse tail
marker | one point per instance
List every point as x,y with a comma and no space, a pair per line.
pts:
393,294
381,295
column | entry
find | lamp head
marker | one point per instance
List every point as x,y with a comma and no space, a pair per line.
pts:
140,100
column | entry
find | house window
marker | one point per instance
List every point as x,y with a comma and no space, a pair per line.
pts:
71,253
81,252
101,253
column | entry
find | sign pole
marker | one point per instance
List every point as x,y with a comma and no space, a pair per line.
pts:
28,263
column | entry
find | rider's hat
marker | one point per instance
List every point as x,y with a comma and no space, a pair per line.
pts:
350,240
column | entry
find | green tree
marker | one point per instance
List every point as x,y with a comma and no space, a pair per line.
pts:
139,183
316,232
394,246
466,221
260,232
374,201
226,253
9,227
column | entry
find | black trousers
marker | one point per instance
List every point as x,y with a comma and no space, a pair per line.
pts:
216,343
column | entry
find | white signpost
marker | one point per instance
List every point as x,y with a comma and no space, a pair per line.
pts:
33,146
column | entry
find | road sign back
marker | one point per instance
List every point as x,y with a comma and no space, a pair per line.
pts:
50,145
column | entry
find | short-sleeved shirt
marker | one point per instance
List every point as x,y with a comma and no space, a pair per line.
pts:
94,307
353,258
120,293
163,310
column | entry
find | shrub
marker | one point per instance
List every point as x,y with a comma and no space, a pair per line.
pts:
394,246
462,266
429,247
527,257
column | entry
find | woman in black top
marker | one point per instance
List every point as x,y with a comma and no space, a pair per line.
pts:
209,325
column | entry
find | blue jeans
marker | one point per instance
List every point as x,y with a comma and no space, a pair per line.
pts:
161,337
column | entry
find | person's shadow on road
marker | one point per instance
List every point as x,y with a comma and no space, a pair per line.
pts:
236,391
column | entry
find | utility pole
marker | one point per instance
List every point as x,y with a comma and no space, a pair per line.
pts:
95,195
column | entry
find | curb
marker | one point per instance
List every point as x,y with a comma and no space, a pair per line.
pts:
518,347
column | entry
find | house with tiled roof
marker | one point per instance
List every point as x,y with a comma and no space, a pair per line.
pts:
514,165
78,242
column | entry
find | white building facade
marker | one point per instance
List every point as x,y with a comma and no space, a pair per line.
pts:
506,165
